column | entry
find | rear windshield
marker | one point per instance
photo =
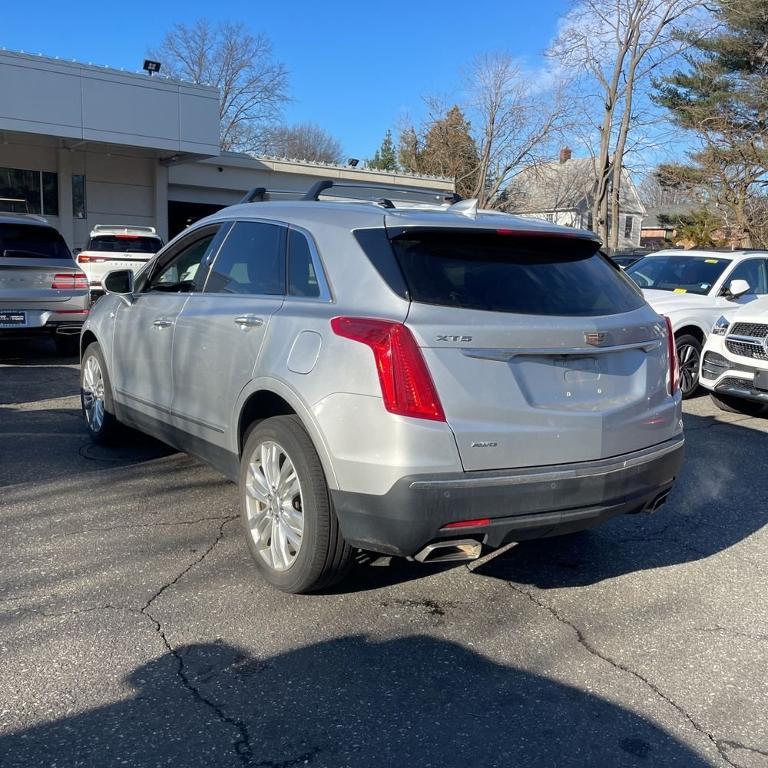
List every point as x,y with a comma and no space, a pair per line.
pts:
513,273
25,241
125,244
682,274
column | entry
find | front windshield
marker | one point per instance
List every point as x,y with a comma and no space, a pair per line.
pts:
678,273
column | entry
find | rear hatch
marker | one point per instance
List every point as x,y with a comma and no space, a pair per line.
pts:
541,351
31,256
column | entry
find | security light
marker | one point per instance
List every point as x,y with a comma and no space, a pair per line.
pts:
151,67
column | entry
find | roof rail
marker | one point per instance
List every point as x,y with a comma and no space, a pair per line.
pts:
393,192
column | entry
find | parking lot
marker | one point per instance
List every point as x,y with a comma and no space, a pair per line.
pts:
134,630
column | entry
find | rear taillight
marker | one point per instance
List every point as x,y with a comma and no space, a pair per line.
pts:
83,258
674,370
70,281
406,386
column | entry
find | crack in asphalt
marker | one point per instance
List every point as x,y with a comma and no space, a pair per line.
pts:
242,744
735,632
726,744
226,518
719,744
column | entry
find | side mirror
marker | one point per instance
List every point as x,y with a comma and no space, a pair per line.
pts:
738,288
120,282
75,251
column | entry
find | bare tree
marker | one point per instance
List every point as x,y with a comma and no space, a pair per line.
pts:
252,85
515,119
304,141
656,193
618,45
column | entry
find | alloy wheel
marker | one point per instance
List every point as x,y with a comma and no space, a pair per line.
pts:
274,505
93,393
688,357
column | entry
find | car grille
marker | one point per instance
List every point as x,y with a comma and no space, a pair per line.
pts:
756,330
746,349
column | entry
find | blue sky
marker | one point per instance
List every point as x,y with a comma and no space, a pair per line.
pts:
355,67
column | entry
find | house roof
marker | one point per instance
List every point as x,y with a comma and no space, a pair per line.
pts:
674,211
565,186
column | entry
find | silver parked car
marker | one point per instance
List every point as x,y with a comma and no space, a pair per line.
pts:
42,290
410,381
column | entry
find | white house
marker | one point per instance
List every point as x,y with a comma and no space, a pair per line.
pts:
563,192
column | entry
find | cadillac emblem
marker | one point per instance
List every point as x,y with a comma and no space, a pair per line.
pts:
595,338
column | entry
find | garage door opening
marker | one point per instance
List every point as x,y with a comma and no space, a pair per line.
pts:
181,215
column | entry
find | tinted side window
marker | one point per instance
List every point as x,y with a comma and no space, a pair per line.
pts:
302,280
184,273
252,260
754,272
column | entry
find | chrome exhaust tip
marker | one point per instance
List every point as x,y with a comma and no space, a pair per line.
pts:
447,551
657,503
68,330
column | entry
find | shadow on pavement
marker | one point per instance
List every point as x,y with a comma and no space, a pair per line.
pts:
711,508
346,702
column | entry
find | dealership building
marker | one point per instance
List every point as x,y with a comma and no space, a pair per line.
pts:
85,145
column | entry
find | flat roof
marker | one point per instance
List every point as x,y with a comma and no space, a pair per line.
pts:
52,97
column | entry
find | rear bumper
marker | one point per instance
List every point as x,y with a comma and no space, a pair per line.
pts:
51,328
521,504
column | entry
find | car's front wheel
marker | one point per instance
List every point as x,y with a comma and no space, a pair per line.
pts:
96,397
290,525
689,357
731,404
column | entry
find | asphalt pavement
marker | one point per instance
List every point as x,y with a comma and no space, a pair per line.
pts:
134,630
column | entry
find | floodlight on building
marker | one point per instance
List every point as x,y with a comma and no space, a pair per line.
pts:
151,67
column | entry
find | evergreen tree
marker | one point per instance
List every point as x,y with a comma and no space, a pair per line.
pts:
385,158
409,149
722,97
449,150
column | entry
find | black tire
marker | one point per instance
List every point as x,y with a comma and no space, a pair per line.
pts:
67,346
731,404
689,357
104,431
323,557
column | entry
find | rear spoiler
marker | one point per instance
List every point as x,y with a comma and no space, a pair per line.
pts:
117,229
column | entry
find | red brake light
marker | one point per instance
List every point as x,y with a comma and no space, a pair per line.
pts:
406,386
479,523
70,281
674,369
127,237
83,258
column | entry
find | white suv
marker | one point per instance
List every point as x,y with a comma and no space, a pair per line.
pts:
693,288
734,367
113,247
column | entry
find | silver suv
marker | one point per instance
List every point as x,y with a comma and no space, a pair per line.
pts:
405,380
42,291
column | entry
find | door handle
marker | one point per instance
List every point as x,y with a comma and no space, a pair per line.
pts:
248,321
162,323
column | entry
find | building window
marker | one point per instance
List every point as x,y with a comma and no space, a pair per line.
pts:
29,191
549,217
78,196
628,224
590,221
